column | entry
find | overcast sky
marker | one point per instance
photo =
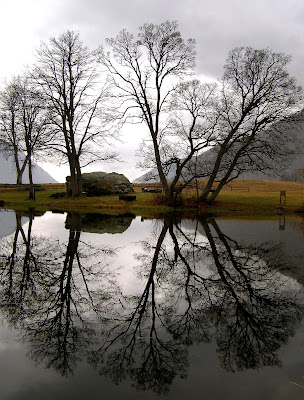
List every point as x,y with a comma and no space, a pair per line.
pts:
217,25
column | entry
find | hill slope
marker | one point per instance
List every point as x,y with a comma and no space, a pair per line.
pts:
8,173
294,133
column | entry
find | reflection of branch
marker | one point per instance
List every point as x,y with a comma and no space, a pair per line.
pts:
255,317
201,282
62,324
192,324
26,283
54,316
196,282
151,362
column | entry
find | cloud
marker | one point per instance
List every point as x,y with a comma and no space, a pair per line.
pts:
218,26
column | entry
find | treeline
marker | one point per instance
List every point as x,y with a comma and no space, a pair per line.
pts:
73,102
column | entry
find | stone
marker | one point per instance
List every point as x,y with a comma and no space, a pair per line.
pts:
102,183
127,197
58,195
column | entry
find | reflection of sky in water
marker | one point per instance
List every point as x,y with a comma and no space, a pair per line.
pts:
8,222
21,379
125,244
128,244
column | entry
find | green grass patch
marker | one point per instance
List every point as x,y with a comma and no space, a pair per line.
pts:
242,197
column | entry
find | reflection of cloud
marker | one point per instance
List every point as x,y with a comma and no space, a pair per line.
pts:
136,315
8,339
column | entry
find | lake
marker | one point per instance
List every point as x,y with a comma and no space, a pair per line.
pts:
123,307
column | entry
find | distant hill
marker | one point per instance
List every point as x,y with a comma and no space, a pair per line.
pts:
8,172
291,173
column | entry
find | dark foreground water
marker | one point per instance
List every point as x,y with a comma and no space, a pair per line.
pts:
103,307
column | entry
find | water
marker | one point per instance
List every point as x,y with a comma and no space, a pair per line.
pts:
129,308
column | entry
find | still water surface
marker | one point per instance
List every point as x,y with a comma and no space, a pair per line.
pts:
96,306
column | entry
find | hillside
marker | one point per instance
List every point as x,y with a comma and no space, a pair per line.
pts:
8,173
294,134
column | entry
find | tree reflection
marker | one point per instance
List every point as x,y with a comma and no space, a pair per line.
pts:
254,308
137,344
51,293
198,285
19,272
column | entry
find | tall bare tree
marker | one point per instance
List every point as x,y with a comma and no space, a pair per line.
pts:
67,74
23,125
256,94
146,71
33,124
12,139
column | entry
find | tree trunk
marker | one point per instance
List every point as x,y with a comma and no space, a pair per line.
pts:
163,179
76,178
31,184
19,172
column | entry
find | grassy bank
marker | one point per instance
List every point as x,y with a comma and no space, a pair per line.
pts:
242,197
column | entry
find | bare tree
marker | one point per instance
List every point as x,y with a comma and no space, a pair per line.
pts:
23,125
33,125
145,72
256,94
66,73
12,140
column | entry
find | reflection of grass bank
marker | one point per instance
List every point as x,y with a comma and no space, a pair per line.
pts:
241,198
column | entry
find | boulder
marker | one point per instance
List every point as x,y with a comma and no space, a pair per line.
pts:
102,183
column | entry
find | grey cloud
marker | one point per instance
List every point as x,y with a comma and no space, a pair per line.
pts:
218,26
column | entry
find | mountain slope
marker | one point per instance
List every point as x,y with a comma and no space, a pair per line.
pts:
294,134
8,172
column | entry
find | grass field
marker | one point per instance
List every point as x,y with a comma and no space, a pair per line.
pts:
241,197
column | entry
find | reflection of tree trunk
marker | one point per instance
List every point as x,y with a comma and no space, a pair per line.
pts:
56,324
59,328
150,282
29,258
215,255
224,239
66,275
221,268
137,315
12,258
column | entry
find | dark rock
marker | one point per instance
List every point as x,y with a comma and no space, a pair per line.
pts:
127,197
58,195
102,183
149,189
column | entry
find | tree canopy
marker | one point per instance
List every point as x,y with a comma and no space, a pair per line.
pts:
66,72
